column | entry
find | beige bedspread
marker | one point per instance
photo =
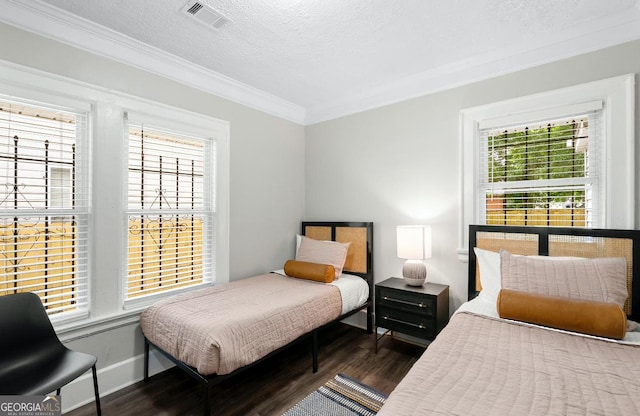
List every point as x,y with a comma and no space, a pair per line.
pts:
222,328
481,366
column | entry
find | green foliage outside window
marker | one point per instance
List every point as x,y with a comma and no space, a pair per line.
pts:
537,154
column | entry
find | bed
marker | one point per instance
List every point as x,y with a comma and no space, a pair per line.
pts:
216,332
484,364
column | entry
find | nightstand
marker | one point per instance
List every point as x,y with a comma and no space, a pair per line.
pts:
419,311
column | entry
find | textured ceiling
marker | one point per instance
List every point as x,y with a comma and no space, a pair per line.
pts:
319,53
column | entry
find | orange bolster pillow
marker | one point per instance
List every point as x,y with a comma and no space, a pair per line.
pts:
577,315
311,271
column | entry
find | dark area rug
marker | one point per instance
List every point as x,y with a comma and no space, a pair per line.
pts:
340,396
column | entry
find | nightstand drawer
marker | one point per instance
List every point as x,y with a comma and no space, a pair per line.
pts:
406,301
405,322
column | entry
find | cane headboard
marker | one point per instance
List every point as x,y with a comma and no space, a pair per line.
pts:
359,259
360,234
552,241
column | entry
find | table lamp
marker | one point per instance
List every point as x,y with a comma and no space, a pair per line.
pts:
414,244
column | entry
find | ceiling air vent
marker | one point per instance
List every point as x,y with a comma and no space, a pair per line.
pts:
205,14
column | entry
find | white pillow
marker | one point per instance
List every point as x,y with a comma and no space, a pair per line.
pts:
490,279
323,252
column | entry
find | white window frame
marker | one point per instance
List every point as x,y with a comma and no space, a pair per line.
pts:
106,166
37,98
618,185
593,111
196,127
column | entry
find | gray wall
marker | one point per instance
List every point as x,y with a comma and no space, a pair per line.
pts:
400,164
266,164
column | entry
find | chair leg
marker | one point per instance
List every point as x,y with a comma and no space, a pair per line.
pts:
95,388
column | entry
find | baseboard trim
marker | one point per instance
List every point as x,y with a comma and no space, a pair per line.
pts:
111,379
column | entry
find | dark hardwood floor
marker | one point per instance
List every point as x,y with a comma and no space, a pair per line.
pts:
272,386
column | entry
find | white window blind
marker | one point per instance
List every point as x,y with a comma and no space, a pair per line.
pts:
170,211
44,206
545,173
60,186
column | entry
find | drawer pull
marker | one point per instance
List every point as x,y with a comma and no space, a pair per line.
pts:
406,302
420,326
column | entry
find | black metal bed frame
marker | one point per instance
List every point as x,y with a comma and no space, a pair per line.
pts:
208,381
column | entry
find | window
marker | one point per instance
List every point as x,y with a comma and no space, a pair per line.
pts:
558,158
43,206
170,211
64,203
543,173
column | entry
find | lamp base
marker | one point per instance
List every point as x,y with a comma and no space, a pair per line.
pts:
414,272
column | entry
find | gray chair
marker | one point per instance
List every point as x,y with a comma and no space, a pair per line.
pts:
33,361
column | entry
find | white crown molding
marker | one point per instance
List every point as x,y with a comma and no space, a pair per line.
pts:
598,34
46,20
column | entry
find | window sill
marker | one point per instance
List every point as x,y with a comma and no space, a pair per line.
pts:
72,331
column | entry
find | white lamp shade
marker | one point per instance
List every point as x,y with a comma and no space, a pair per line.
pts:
414,242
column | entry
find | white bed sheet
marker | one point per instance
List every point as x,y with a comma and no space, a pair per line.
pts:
354,290
481,306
